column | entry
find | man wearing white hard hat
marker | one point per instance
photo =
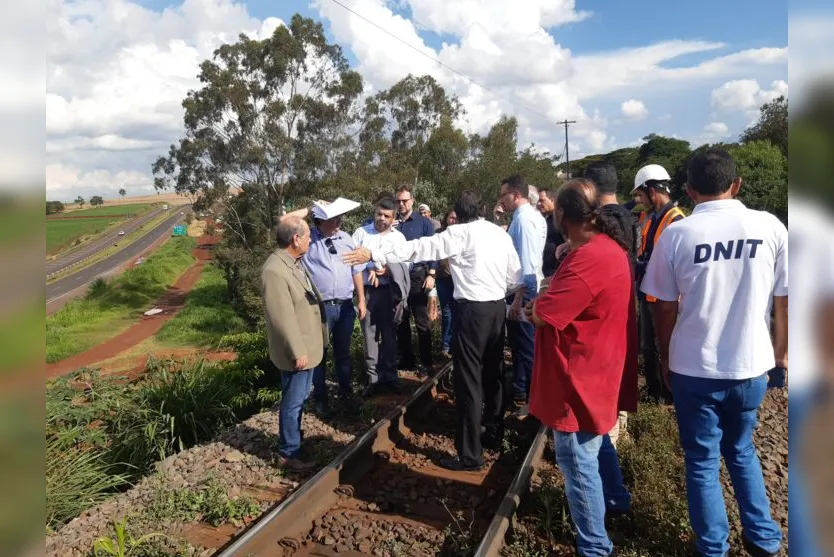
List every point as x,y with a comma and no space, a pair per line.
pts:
652,186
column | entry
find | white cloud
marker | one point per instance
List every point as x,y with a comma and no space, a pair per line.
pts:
746,95
117,72
714,132
67,182
634,109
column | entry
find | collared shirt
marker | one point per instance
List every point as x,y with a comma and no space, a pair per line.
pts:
414,227
333,278
482,260
528,231
725,263
367,236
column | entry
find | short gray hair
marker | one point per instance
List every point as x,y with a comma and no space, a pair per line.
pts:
287,228
533,194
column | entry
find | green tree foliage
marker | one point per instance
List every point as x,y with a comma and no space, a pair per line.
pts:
771,126
96,200
80,201
763,169
53,207
122,192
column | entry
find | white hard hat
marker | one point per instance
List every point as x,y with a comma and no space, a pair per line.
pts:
650,172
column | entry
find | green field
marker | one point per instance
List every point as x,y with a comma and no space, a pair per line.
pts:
110,307
62,233
112,209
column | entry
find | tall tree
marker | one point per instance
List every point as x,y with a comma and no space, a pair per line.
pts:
122,192
96,200
772,125
257,118
80,201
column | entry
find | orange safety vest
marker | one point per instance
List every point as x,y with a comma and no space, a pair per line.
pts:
664,222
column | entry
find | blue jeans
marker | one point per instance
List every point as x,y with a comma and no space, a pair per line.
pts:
521,336
593,486
445,290
716,418
295,388
802,536
340,320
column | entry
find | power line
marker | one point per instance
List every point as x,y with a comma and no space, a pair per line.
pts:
435,60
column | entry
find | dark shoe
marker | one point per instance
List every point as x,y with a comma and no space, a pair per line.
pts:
423,371
294,463
755,551
456,465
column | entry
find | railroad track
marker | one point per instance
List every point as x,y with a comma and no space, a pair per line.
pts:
385,494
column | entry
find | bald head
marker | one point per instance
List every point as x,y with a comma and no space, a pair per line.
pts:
290,230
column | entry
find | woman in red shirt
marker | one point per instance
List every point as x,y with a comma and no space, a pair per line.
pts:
585,362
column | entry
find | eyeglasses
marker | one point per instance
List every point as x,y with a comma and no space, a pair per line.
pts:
403,201
330,247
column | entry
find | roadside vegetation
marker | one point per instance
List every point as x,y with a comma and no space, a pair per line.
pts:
103,433
207,316
66,229
109,307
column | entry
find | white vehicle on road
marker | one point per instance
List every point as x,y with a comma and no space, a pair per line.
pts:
121,232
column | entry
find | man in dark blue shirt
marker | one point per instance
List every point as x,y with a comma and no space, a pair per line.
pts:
413,226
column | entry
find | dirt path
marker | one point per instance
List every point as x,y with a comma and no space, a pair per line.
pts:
170,303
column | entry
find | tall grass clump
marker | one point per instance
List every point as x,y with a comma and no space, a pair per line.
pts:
104,433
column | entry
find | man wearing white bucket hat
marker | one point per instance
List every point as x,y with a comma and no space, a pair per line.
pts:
652,186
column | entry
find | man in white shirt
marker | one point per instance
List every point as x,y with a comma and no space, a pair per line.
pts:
728,266
378,325
485,268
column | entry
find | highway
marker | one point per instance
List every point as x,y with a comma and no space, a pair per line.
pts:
64,286
88,250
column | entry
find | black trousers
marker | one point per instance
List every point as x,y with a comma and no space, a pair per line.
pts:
477,353
648,343
418,306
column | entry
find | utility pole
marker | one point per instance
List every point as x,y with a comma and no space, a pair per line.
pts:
567,153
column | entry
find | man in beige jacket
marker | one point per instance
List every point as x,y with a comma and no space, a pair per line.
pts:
295,330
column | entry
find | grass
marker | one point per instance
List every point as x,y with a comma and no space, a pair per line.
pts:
113,209
110,307
62,233
208,314
207,502
653,470
103,434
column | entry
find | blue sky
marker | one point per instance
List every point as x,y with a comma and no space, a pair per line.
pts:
733,57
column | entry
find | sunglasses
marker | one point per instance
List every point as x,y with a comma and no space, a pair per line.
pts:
402,201
330,247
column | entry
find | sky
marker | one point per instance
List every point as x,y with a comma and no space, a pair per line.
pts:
117,70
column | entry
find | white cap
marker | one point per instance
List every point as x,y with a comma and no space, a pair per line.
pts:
650,172
423,207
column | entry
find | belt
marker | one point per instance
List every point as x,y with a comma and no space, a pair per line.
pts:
336,302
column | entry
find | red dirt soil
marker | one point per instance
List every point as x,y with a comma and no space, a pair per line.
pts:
170,303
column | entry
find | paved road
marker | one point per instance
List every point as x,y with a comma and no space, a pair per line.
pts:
68,284
100,243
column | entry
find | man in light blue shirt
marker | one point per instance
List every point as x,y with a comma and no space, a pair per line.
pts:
337,283
528,231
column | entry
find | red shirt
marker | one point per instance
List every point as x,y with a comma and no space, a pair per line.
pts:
585,363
